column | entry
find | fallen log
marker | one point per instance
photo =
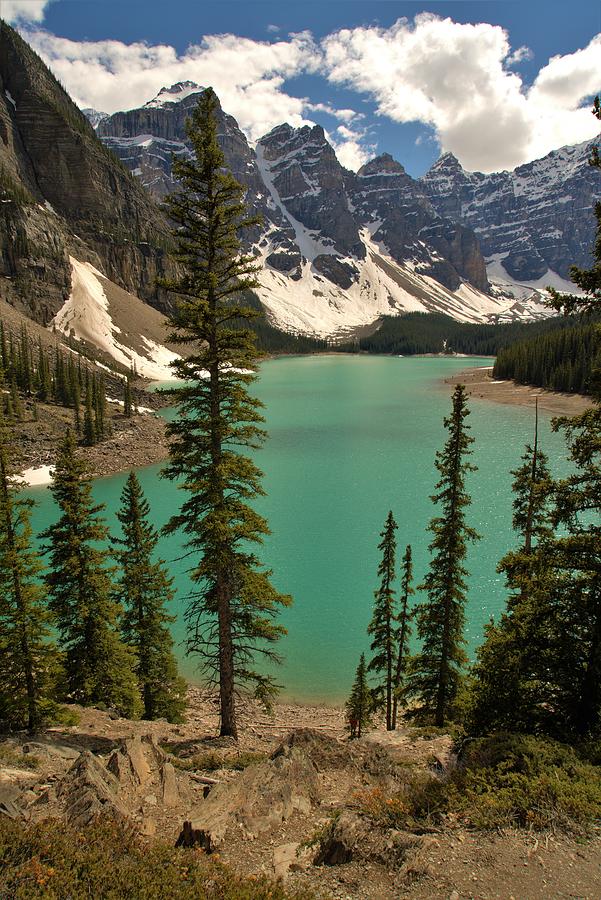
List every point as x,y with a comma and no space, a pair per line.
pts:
203,779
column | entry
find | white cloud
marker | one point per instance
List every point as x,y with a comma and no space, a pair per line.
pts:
455,78
343,115
519,55
23,10
273,29
247,75
352,146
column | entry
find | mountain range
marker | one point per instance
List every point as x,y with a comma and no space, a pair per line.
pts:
338,248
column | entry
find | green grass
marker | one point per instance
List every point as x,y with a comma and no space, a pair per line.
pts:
15,760
107,860
211,760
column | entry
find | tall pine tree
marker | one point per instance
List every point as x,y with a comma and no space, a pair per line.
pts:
441,617
576,557
382,627
404,632
28,659
359,703
143,588
507,687
99,667
230,615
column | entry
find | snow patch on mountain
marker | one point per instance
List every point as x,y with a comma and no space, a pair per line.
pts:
86,316
173,94
523,290
310,304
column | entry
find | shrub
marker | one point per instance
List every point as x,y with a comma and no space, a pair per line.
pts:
108,860
505,780
9,757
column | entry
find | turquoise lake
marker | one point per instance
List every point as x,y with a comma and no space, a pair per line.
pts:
350,438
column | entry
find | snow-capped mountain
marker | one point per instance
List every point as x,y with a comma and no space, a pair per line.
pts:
94,116
532,222
338,248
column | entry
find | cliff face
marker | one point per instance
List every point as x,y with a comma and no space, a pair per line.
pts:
64,192
411,228
315,213
536,218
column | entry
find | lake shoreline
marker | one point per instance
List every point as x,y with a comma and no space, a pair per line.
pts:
481,386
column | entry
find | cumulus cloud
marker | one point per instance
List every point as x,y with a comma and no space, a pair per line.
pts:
23,10
248,75
455,77
352,146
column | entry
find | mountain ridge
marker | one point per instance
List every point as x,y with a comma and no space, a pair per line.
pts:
325,222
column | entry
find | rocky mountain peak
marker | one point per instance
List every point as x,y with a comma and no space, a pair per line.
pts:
535,218
284,140
94,116
447,162
384,164
174,94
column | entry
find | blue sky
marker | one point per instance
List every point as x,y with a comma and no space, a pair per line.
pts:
496,83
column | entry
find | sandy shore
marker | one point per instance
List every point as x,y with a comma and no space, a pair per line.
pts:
481,386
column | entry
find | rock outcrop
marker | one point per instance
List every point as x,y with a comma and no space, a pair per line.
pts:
263,797
536,218
136,779
64,192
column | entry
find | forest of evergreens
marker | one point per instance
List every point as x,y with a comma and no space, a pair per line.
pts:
32,374
561,360
416,333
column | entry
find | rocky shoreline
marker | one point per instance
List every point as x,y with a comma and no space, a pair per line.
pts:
480,385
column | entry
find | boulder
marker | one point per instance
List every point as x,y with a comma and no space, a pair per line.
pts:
352,836
89,790
10,805
289,858
264,795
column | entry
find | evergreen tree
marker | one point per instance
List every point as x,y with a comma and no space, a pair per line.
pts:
28,660
99,403
440,618
99,667
143,589
3,347
15,400
230,616
382,627
404,632
127,401
359,704
506,690
89,428
576,557
44,385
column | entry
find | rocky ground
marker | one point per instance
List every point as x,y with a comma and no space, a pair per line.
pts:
134,442
257,804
